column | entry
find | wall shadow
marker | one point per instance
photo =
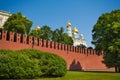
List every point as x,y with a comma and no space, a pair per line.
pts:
75,66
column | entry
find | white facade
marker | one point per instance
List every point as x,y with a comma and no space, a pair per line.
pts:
77,40
3,18
69,31
80,40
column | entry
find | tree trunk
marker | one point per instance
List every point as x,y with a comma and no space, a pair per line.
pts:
117,69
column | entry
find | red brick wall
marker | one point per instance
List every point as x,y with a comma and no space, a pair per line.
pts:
76,58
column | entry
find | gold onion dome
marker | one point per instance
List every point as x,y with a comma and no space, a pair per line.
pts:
37,28
75,30
68,24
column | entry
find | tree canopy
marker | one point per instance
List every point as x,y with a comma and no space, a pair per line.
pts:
61,37
45,32
18,23
106,36
57,35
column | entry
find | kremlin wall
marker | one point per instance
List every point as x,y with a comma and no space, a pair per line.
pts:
76,58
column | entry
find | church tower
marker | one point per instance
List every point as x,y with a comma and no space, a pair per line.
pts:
75,32
69,31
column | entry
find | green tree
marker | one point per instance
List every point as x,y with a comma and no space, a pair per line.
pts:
81,46
61,37
45,32
18,23
35,32
106,36
57,35
90,47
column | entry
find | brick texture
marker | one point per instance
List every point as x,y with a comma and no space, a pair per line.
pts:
76,58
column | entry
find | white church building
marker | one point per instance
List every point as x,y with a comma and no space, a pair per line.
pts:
77,40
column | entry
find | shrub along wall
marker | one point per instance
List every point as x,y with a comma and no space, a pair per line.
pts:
30,64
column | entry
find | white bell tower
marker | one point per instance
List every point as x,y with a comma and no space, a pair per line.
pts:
69,31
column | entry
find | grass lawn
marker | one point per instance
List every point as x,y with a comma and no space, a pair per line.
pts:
72,75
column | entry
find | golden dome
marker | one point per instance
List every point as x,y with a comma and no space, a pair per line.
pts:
75,30
37,28
68,24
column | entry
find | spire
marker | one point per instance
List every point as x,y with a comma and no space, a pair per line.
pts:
68,24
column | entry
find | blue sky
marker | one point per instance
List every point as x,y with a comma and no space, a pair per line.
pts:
56,13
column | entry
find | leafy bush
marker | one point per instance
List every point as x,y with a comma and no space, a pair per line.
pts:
13,64
52,65
30,64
